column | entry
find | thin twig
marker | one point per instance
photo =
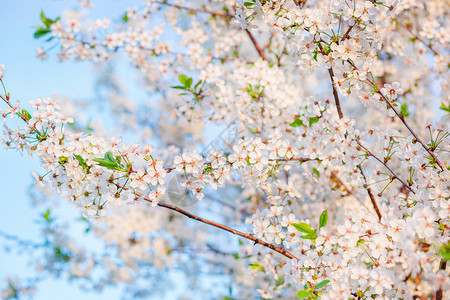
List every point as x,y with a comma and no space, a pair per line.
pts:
346,189
402,118
440,292
419,39
384,164
23,117
372,198
300,159
255,43
223,227
346,34
195,10
335,93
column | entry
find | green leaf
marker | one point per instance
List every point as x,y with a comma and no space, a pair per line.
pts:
81,161
198,83
183,79
109,161
188,82
311,236
445,251
315,171
26,114
106,163
404,110
47,22
303,294
256,266
321,284
178,87
323,219
40,31
249,4
125,17
313,120
110,156
47,216
303,227
61,254
296,123
445,108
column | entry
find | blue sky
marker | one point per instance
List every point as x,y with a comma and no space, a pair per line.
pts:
29,78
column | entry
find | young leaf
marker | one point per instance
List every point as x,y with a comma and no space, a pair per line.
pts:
256,266
198,83
323,219
404,110
321,284
109,156
303,294
47,22
183,79
47,215
310,236
40,31
26,114
303,227
188,83
315,171
445,107
125,17
178,87
313,120
296,123
105,163
445,251
81,161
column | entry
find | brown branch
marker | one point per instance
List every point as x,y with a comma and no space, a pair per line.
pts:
300,159
23,117
255,43
195,10
372,198
346,34
223,227
384,164
339,184
440,292
335,93
402,118
418,38
300,3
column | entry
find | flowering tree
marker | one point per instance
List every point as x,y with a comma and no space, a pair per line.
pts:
329,159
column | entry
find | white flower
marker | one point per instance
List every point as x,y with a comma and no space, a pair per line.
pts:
2,71
156,196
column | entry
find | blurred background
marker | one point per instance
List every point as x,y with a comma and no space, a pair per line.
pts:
27,78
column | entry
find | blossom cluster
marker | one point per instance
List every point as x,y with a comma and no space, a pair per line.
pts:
338,165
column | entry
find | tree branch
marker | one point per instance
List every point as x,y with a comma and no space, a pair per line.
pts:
402,118
195,10
384,164
372,198
223,227
335,93
255,43
440,292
